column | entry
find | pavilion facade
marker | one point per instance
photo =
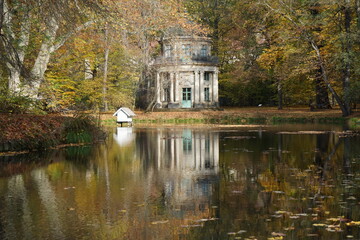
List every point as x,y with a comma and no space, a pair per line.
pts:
187,74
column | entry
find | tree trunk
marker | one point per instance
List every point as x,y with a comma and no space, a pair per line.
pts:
322,96
106,63
43,58
347,60
357,5
280,95
15,48
344,111
1,14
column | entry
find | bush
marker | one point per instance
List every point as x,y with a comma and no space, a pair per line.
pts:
16,104
82,129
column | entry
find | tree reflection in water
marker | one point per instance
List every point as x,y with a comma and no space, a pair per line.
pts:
181,183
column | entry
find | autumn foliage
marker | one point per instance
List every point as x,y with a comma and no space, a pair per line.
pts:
35,132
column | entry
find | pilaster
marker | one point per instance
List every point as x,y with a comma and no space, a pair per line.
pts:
171,87
158,88
162,87
196,87
176,87
216,87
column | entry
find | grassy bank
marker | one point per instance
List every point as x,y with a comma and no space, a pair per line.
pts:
240,116
36,132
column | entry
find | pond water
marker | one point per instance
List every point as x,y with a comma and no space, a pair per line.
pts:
280,182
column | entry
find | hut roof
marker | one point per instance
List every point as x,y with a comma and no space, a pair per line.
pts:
125,110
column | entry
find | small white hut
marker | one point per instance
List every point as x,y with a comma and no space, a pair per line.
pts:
124,115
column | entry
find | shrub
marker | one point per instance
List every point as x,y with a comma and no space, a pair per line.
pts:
16,104
82,129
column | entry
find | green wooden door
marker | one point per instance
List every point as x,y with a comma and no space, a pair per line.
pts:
186,98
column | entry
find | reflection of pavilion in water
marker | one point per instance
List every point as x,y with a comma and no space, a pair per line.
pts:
189,160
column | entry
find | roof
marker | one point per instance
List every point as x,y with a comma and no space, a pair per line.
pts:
125,110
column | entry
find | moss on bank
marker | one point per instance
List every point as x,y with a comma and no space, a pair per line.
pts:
36,132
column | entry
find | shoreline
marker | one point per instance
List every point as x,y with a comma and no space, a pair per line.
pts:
240,116
22,132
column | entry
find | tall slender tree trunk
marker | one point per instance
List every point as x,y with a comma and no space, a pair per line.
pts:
106,63
280,94
347,60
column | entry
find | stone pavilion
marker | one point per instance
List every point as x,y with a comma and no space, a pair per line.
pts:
187,74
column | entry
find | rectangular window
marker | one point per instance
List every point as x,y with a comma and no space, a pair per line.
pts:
186,49
207,94
204,51
166,94
207,76
167,51
186,94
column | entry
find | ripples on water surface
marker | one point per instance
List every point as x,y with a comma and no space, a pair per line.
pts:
293,182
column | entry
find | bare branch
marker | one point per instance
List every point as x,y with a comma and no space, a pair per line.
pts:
65,37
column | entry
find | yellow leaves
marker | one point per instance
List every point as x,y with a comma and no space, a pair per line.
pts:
353,223
270,57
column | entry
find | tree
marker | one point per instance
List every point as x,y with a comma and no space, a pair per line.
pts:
35,29
300,29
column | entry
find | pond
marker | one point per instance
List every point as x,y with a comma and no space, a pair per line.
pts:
262,182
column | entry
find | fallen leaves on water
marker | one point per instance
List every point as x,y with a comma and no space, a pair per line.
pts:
278,234
289,228
190,226
353,223
319,225
159,222
334,228
312,235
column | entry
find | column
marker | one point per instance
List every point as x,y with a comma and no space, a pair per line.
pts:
171,87
196,87
161,87
158,88
210,86
215,87
201,92
176,87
